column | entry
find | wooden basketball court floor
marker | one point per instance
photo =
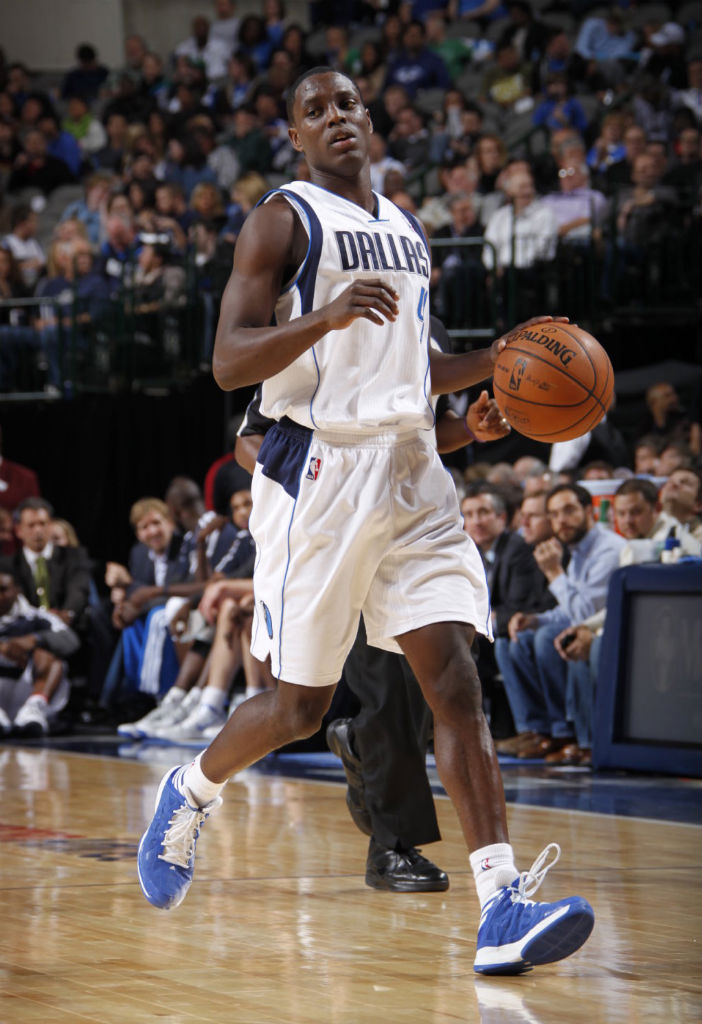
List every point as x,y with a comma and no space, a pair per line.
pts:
280,928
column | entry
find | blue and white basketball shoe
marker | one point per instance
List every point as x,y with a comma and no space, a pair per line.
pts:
166,856
516,933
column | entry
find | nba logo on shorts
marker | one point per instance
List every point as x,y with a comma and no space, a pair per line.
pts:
313,469
517,373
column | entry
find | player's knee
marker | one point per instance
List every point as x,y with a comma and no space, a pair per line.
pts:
456,691
304,710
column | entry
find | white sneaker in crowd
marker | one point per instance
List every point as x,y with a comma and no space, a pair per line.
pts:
32,719
193,727
174,707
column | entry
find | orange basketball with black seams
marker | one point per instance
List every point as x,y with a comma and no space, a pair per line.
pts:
553,382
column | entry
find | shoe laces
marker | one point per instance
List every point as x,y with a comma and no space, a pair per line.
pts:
529,881
179,840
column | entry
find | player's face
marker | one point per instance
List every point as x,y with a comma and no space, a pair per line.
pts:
330,125
155,531
569,520
633,515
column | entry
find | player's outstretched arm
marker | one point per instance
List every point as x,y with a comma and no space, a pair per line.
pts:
453,373
248,347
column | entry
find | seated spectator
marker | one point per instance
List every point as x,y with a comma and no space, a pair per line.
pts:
137,592
87,78
91,209
112,156
249,142
225,27
294,42
454,52
462,129
646,452
638,515
35,168
681,497
560,109
685,176
507,80
619,172
457,273
522,237
666,417
50,577
118,253
540,675
381,162
209,50
580,211
22,243
235,90
512,574
608,148
84,127
204,549
416,66
33,645
663,56
675,454
525,32
606,43
410,141
384,110
254,41
154,84
535,528
60,143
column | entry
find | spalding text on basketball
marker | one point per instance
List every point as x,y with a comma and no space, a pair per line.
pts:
551,345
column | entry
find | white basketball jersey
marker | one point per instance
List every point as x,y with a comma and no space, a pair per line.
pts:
366,378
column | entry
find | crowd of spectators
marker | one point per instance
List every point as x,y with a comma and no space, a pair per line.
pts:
159,645
546,131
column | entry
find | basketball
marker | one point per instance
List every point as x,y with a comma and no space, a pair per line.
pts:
553,382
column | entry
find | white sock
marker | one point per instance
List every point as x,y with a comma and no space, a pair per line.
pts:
251,691
194,784
213,698
493,867
37,696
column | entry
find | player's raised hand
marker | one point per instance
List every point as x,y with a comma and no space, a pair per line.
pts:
501,343
485,421
372,299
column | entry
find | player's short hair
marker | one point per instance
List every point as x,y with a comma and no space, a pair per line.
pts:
321,69
581,493
635,485
145,506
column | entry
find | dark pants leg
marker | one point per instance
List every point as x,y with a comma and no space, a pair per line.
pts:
390,735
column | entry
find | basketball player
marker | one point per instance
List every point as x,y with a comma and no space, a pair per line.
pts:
353,511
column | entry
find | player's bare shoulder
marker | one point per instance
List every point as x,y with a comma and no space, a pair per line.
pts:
272,235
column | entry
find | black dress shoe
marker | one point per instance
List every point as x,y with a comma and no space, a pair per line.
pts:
403,870
339,742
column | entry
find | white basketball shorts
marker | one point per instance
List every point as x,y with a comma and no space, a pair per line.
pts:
349,525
